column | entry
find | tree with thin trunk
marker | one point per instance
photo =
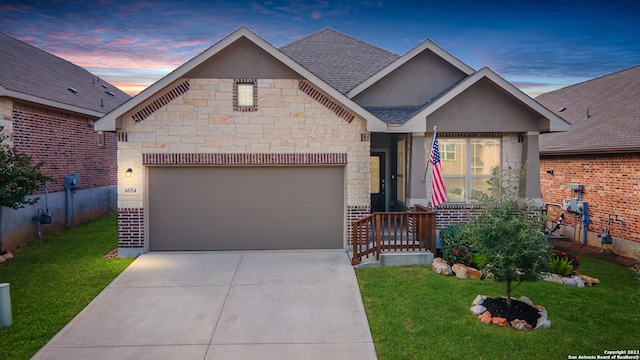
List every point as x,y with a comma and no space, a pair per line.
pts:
508,231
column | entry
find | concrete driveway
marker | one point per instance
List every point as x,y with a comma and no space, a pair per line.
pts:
223,305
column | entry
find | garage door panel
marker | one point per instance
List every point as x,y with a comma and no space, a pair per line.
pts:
238,208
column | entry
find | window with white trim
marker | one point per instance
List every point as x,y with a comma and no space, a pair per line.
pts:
468,166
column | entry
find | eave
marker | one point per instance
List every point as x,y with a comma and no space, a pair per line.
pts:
418,122
4,92
111,121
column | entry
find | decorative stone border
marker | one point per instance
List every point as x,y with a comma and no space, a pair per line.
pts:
485,316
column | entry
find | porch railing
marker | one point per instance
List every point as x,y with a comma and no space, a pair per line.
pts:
413,230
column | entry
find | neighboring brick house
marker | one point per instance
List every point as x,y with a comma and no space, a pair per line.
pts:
249,146
47,108
601,151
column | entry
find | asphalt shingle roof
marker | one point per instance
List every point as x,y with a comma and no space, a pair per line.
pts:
29,70
338,59
613,124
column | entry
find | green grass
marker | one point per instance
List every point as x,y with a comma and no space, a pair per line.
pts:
415,313
52,280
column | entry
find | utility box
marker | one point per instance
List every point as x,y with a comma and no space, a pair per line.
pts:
72,181
581,207
576,187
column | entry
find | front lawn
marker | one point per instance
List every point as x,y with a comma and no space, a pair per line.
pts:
52,280
415,313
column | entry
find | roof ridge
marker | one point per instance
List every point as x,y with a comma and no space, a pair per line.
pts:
330,29
590,80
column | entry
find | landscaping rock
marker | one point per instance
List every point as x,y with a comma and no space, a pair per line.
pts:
479,300
441,267
478,309
466,272
552,277
7,256
543,323
500,321
2,259
569,281
520,324
485,317
588,280
521,314
526,300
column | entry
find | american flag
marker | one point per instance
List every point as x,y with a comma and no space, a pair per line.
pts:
438,190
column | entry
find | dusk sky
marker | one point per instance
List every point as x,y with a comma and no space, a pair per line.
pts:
538,46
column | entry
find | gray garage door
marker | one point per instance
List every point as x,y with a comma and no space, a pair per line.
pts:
246,208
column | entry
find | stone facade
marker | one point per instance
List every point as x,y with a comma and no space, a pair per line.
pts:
202,121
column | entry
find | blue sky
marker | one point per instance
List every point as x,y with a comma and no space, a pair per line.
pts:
538,46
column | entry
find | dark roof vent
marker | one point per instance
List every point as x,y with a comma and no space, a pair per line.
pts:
562,109
74,91
104,86
102,102
109,93
587,115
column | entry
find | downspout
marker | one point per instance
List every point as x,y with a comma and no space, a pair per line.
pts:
67,208
585,221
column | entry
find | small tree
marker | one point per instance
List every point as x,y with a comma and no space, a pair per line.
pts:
18,177
508,232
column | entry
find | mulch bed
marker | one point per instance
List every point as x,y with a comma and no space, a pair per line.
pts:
498,307
579,248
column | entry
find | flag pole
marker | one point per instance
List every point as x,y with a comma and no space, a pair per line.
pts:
424,179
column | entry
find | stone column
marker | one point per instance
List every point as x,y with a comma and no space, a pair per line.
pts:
531,164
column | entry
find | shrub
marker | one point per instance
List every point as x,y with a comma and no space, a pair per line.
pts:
574,260
456,244
561,266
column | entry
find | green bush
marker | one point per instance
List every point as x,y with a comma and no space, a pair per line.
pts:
561,266
457,246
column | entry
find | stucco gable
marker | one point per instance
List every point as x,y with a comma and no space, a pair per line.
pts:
242,59
510,96
425,47
112,120
414,82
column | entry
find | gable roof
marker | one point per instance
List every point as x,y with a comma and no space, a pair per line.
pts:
321,51
109,121
425,45
45,79
613,121
417,122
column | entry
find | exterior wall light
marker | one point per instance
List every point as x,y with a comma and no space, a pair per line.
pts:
129,172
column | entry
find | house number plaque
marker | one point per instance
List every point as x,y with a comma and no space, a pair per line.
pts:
131,191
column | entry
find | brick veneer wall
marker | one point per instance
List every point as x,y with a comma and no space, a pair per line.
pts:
130,227
451,214
611,186
66,143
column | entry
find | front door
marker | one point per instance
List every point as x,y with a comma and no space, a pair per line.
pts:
377,182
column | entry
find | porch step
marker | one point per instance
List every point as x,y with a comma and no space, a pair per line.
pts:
406,258
398,259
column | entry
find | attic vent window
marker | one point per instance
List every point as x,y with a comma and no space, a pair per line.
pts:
109,93
73,91
161,101
245,95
